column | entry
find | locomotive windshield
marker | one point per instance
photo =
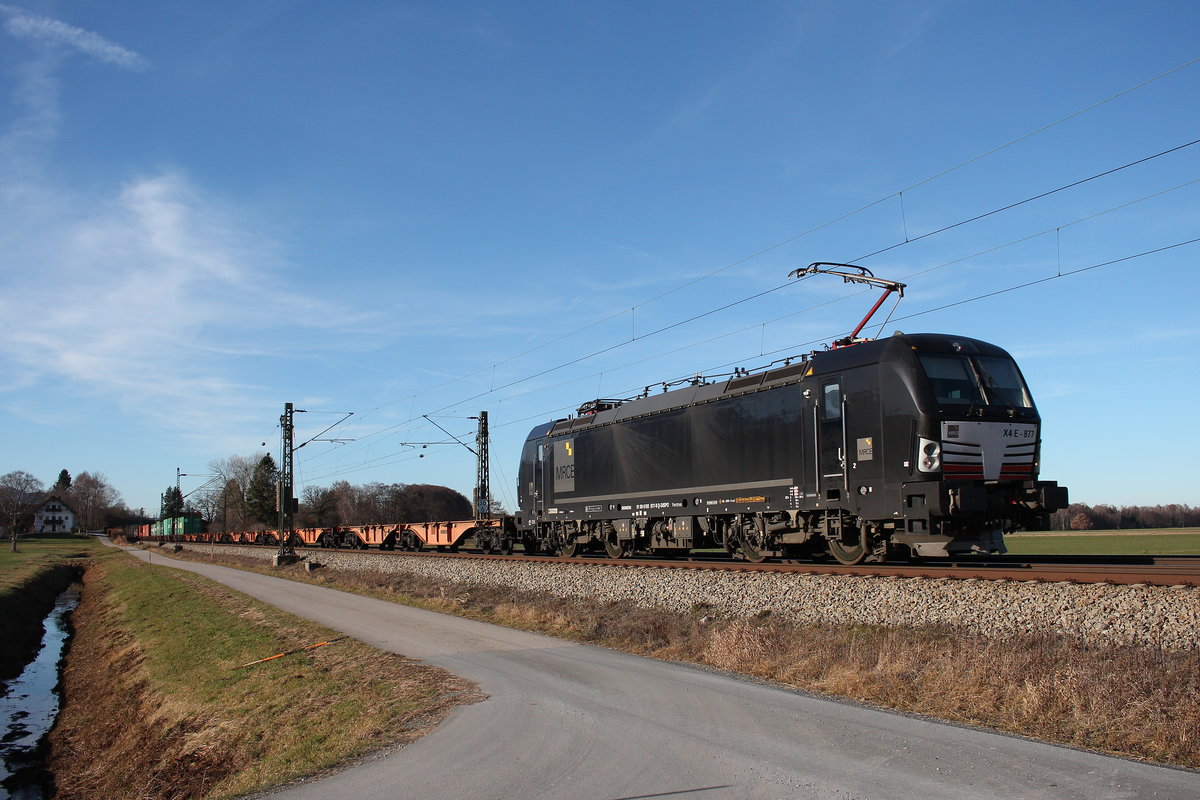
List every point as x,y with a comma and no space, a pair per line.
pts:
975,380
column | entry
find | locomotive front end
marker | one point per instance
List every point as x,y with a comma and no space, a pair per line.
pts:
976,454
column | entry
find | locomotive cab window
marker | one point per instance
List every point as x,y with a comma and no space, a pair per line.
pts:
1002,382
981,380
832,401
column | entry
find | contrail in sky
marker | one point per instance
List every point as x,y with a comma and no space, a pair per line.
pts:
26,25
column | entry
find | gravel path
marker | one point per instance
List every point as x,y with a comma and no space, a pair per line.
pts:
1150,616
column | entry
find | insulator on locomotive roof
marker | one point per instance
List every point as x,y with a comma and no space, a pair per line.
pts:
596,406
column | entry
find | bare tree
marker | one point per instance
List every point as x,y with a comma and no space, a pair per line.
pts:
18,492
92,496
318,507
232,487
207,499
354,506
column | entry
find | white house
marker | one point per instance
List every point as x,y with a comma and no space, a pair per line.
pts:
53,515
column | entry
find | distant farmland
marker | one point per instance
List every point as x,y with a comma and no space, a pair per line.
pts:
1156,542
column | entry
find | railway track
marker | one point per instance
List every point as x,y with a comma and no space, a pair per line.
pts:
1131,570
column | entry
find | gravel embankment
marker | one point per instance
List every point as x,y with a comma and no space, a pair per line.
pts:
1153,616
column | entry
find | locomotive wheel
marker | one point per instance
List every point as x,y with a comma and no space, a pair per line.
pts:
506,546
614,548
750,552
569,549
753,541
849,554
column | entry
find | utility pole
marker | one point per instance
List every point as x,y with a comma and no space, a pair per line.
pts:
483,491
287,553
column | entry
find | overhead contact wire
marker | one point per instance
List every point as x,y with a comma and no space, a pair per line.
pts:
813,229
741,301
800,235
374,462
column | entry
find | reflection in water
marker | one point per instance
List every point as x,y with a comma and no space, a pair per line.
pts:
28,706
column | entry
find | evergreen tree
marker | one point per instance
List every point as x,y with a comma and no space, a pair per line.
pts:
172,503
260,496
63,484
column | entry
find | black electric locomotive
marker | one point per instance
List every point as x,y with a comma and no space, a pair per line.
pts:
915,445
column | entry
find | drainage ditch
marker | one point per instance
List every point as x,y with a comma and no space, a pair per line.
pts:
29,705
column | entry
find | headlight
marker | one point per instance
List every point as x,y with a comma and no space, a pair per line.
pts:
929,455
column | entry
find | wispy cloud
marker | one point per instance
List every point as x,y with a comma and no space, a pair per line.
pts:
27,25
155,297
157,300
37,87
138,294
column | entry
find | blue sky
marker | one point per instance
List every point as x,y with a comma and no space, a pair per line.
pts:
401,209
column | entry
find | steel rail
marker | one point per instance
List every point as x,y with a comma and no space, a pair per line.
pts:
1141,570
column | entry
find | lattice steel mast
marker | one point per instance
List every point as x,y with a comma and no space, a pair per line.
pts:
286,500
483,490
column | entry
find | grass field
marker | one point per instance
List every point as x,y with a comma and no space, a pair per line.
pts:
42,552
1155,542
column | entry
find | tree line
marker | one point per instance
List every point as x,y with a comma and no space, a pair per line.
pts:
1082,517
97,505
241,495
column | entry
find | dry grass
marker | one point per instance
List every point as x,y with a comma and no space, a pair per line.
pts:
157,706
1128,701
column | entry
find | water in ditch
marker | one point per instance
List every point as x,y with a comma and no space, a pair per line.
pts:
28,707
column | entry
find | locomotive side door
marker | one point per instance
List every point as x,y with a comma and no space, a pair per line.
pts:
830,424
539,481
